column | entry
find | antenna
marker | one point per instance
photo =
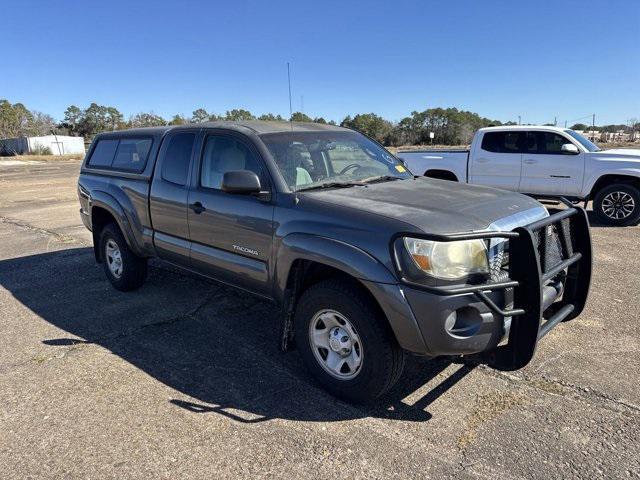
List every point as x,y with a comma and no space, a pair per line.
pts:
289,79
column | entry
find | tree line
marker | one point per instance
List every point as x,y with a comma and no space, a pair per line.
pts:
449,126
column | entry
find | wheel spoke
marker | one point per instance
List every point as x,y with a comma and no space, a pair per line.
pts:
353,360
321,338
329,319
335,361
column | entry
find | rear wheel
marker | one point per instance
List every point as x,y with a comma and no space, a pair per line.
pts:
617,204
346,343
124,269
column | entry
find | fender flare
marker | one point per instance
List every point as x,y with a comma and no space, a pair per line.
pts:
374,276
109,203
623,172
328,251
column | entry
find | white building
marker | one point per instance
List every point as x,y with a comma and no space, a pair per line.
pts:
57,144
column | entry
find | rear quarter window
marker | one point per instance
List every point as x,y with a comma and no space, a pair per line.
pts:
126,154
177,158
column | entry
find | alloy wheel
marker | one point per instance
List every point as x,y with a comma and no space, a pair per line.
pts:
618,205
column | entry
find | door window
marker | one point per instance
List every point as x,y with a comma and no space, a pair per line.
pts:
224,154
175,165
548,143
503,142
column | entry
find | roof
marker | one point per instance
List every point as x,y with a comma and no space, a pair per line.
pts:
547,128
260,127
255,126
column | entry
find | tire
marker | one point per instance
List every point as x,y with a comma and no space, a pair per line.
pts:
133,269
608,202
381,358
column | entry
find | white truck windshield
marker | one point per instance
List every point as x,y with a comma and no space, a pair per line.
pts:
586,143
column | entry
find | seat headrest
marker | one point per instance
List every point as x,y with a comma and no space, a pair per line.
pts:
231,158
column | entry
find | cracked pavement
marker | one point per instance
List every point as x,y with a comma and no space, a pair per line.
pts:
184,378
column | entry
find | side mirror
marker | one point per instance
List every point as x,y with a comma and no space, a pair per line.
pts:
569,148
241,182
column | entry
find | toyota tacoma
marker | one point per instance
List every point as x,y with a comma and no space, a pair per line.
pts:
365,260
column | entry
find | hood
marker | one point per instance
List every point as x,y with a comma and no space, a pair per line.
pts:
438,206
632,154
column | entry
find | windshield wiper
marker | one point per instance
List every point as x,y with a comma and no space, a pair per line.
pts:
383,178
331,185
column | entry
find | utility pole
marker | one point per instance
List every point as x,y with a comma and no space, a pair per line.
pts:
565,124
593,122
289,79
302,103
519,122
555,121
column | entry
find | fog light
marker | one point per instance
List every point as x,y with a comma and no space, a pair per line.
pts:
450,321
463,322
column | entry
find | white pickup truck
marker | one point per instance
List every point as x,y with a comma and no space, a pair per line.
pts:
544,162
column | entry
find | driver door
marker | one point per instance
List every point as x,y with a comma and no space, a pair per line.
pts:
547,170
231,234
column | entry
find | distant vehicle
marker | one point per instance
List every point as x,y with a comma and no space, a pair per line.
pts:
366,260
542,161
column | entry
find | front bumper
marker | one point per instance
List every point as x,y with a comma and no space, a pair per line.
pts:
549,274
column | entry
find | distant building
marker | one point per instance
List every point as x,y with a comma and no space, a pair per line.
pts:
605,137
56,144
619,136
592,135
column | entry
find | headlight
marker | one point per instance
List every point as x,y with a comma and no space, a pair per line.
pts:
448,260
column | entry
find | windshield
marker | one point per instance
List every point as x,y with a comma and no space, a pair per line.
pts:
586,143
310,160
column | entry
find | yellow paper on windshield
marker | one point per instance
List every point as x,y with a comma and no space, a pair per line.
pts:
400,168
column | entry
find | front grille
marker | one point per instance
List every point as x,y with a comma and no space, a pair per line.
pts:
499,261
555,243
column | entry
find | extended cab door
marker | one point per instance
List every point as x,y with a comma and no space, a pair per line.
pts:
496,160
169,194
231,234
547,170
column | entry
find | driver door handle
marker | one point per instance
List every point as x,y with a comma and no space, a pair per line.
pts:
197,207
530,161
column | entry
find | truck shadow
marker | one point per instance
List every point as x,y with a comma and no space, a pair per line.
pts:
215,346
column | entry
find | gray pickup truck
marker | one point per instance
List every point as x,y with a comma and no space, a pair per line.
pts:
366,260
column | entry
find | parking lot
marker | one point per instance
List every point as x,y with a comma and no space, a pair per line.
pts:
184,377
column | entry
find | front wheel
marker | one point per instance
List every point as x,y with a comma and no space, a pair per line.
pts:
346,343
617,205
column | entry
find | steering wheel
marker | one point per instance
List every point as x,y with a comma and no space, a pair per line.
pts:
351,166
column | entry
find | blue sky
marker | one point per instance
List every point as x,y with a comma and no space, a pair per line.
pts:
538,59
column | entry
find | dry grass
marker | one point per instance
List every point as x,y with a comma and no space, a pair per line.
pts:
45,158
608,146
